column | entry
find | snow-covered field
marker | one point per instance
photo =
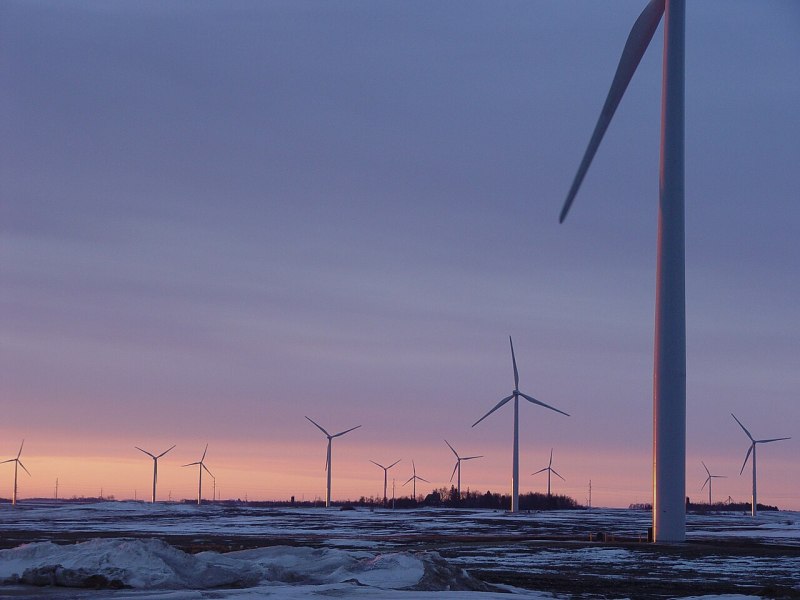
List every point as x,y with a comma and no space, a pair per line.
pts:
178,552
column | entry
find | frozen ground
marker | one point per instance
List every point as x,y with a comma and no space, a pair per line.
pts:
178,552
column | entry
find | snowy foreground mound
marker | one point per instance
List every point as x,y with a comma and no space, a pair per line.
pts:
153,564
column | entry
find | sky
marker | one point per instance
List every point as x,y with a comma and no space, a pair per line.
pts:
218,218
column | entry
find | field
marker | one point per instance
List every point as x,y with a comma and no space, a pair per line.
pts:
182,552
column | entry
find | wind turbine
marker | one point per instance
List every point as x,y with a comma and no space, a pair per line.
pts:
708,481
515,395
385,475
17,463
458,466
414,478
200,468
549,468
328,459
752,448
669,377
155,466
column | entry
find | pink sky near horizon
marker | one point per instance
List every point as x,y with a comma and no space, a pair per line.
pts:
276,472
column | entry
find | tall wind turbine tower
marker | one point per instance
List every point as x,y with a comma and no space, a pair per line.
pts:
328,459
752,449
457,467
515,395
17,463
385,475
414,478
708,481
155,466
669,377
549,468
201,466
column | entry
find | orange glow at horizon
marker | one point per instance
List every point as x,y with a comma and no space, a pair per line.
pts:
276,472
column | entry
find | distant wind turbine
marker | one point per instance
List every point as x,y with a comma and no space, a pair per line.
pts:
414,479
708,481
328,459
457,467
669,373
155,466
201,466
752,448
17,463
385,475
515,395
549,468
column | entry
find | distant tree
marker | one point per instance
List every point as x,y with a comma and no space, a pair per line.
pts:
433,499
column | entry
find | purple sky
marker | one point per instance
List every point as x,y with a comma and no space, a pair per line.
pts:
216,218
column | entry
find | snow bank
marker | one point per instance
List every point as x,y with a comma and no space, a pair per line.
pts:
122,563
329,565
153,564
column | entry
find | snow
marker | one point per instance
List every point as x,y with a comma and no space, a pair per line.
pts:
360,554
152,568
133,563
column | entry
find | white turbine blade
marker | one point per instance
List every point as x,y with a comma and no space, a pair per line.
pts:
454,471
410,479
719,476
514,362
145,451
498,405
380,465
327,455
471,457
393,464
20,449
743,427
451,448
535,401
706,468
207,471
322,429
749,450
19,462
638,40
772,440
706,483
191,464
9,460
345,431
541,471
204,454
421,479
556,473
550,464
413,467
165,451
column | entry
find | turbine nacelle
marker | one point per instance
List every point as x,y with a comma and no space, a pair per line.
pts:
153,456
710,477
17,460
753,442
